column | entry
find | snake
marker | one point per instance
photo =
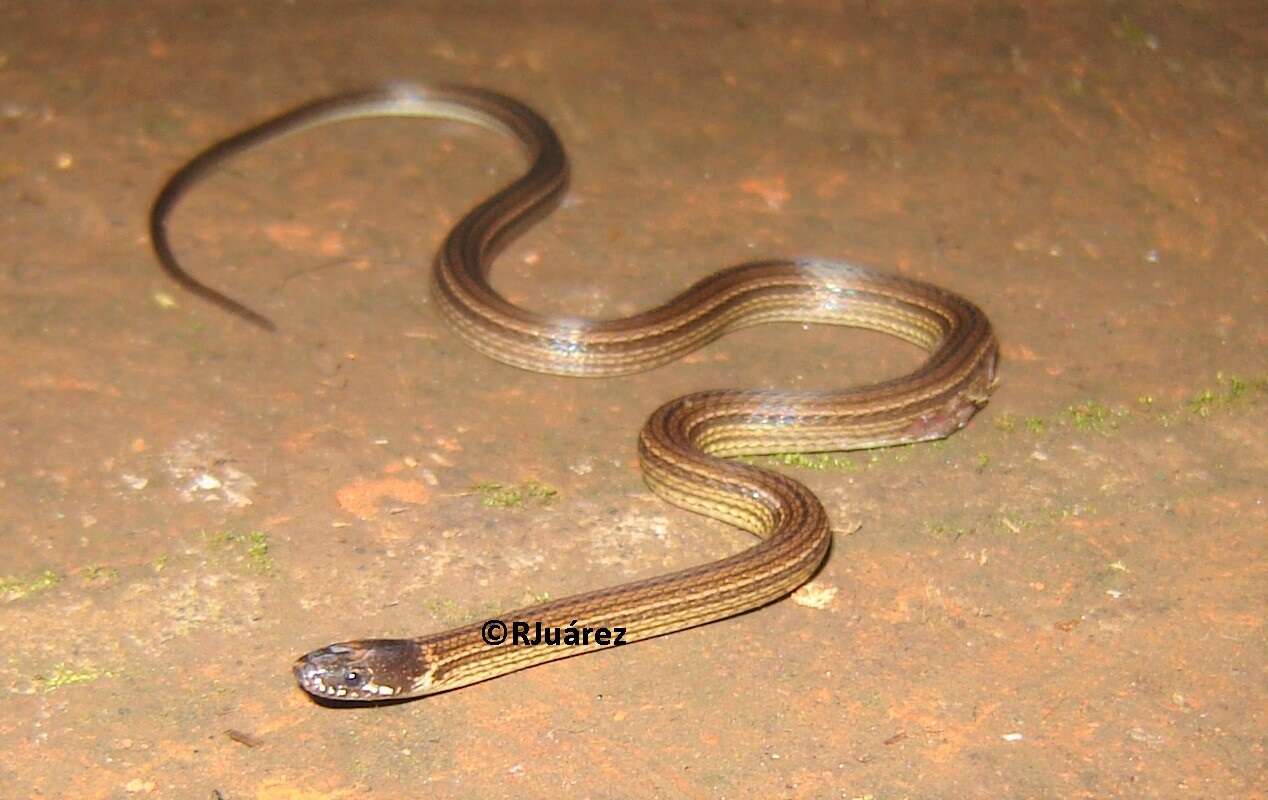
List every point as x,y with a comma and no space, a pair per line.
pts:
687,447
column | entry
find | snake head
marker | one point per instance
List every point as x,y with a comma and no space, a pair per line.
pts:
368,669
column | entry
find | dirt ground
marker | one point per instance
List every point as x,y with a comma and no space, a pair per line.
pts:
1066,599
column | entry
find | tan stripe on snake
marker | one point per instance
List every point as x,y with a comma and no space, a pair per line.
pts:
683,445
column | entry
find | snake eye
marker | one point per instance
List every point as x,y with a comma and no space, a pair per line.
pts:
353,679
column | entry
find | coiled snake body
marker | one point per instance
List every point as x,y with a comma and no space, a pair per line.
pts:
682,447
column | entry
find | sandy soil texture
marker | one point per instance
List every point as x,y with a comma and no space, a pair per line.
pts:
1066,599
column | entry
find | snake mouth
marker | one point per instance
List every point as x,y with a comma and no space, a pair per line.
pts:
331,673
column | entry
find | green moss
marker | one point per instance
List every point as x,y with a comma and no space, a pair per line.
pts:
902,453
941,530
1135,36
1010,423
63,675
12,588
252,547
842,460
819,461
501,495
1236,387
1093,416
1097,417
1015,520
99,572
1202,403
1230,390
258,551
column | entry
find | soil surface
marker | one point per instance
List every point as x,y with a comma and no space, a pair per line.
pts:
1065,599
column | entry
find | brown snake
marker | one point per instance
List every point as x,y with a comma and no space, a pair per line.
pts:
682,446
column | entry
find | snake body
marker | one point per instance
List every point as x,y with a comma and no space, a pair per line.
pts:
683,447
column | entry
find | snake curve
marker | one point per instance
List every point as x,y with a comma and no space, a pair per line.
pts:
684,445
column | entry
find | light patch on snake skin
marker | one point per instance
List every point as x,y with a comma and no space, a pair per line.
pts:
827,272
428,679
567,336
566,347
832,296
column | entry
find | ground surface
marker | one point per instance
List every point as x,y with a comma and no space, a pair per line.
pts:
1064,600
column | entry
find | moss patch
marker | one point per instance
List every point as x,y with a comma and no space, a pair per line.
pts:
1093,416
63,675
1229,391
501,495
13,588
251,548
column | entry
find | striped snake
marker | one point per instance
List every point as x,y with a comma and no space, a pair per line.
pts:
682,447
